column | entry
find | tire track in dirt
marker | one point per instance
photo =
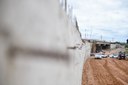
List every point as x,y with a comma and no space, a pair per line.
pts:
124,63
101,75
121,66
115,81
117,72
87,74
105,72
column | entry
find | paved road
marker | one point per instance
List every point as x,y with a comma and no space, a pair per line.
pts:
106,71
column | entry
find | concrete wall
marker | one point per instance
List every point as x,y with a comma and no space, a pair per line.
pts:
113,46
88,48
93,47
39,45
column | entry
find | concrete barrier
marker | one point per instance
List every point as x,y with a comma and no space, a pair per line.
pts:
39,45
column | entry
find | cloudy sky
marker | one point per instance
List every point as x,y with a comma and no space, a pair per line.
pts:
102,19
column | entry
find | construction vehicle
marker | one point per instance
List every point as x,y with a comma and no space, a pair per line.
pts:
122,55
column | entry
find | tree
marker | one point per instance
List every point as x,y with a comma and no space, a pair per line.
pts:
126,46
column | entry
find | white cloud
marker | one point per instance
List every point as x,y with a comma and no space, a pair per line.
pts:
105,17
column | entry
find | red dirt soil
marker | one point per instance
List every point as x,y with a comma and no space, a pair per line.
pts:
107,71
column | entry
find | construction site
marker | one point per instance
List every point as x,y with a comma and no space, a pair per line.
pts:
41,43
107,71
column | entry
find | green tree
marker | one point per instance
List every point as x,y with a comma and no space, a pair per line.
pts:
126,46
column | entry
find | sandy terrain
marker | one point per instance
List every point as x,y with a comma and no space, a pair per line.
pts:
107,71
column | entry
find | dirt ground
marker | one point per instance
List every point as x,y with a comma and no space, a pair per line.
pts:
107,71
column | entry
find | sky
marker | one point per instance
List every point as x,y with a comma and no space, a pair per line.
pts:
102,19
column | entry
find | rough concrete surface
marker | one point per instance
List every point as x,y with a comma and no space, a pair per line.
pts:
36,41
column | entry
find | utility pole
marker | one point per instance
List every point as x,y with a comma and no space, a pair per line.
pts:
101,37
91,34
112,39
66,6
85,34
